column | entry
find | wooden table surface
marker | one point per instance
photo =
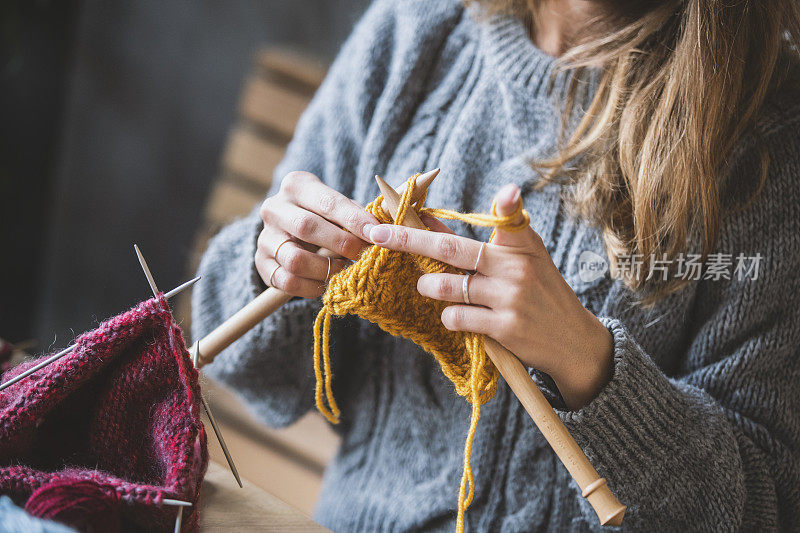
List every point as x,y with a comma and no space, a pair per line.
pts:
226,507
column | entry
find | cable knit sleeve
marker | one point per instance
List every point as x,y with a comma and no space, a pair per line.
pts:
270,367
719,440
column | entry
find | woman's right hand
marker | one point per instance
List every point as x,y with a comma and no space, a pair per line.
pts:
303,216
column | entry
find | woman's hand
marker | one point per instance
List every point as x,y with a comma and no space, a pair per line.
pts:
303,216
518,297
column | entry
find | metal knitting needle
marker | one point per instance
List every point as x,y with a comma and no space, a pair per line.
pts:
179,503
272,299
179,520
146,269
217,432
215,427
68,349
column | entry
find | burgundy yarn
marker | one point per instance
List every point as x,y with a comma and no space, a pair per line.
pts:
100,437
81,504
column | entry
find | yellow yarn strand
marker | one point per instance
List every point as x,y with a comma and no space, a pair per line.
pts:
381,287
332,414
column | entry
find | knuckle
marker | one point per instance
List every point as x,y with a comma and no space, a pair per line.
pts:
262,267
456,317
258,261
288,183
265,211
291,284
505,329
401,237
515,323
505,324
304,226
448,248
326,204
346,246
293,262
522,269
514,293
443,287
291,180
263,247
352,221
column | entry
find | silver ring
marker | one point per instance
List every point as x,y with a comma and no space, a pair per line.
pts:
465,289
270,283
478,260
328,274
275,255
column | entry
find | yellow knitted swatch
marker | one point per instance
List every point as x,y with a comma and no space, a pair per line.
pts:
382,287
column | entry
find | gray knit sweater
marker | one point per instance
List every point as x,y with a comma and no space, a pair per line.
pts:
699,428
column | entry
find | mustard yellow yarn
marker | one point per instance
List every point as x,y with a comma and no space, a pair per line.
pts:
382,287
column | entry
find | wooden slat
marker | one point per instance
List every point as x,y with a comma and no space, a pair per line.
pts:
252,157
272,106
182,306
229,201
292,65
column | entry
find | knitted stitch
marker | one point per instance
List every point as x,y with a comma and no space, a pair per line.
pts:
381,287
100,437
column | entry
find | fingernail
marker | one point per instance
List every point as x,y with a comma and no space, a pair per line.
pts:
366,229
513,198
380,234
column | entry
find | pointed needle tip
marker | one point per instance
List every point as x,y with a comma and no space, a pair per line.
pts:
182,287
381,183
424,180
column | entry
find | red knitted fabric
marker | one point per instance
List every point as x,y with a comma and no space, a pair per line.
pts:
100,437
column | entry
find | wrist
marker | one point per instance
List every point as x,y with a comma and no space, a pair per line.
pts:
588,365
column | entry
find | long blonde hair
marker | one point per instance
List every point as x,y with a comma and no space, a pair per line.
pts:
681,81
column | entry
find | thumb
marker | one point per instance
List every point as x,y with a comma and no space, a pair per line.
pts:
506,203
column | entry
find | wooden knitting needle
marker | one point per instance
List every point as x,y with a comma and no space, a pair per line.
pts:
271,299
609,510
69,349
217,432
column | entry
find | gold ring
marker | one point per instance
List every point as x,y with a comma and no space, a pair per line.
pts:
272,275
328,274
275,255
465,289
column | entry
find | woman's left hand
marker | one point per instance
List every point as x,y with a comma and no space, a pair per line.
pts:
518,297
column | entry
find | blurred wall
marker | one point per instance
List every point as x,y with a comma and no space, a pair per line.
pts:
35,44
150,95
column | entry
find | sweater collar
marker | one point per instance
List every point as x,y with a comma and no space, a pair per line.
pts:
520,65
517,61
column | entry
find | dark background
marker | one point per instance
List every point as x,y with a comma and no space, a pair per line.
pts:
114,115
